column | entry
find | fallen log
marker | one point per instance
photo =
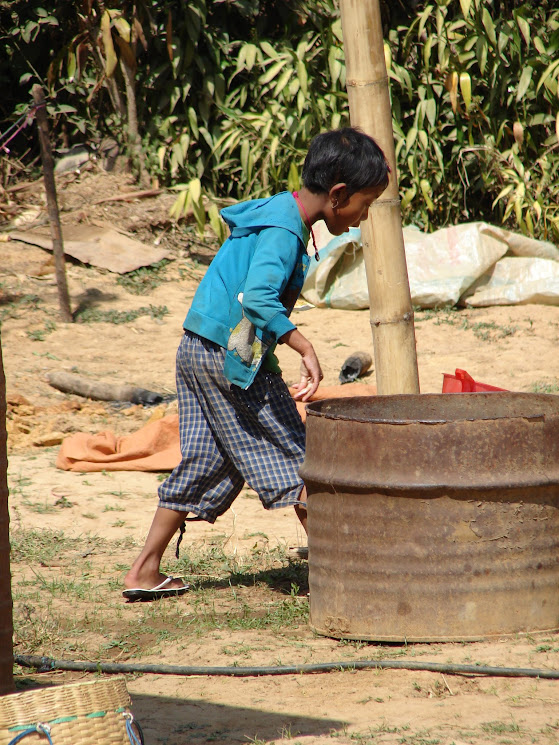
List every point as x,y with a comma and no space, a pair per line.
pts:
100,391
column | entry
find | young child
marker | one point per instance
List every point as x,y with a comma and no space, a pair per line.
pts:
238,421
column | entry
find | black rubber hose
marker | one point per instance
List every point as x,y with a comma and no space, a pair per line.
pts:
45,664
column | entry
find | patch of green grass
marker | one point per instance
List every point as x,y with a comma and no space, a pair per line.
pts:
59,585
447,314
14,302
39,334
544,387
492,331
42,546
501,728
452,316
47,355
145,279
94,315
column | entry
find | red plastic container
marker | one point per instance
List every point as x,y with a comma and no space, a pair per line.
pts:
462,382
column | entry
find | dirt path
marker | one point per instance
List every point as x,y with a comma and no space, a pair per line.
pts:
512,347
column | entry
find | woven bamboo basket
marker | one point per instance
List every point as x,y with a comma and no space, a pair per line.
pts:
89,713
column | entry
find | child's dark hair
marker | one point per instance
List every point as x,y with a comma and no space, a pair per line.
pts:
346,156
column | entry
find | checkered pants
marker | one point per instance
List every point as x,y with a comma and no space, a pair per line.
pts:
230,436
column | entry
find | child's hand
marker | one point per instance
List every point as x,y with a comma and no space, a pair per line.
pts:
311,374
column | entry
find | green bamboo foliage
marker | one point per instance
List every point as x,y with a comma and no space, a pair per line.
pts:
229,95
475,107
261,107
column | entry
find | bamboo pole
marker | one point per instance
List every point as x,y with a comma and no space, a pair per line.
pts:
383,243
6,618
52,205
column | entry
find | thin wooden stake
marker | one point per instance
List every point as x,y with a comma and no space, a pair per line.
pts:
52,205
6,617
383,242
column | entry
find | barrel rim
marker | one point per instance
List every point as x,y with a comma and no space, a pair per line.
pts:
313,408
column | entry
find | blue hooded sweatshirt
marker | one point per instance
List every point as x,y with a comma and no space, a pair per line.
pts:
244,301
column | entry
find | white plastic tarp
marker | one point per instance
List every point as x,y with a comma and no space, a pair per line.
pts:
452,265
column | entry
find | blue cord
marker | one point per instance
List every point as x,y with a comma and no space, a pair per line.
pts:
42,729
130,731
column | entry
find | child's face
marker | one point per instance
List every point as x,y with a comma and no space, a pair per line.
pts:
347,212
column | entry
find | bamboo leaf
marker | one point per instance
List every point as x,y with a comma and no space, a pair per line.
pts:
241,58
273,148
334,65
337,30
193,120
126,54
466,89
110,54
431,111
177,157
387,56
425,187
524,83
465,6
271,73
268,49
408,196
540,46
71,65
184,143
547,73
451,84
518,132
427,51
524,27
489,26
293,177
303,77
423,18
411,138
179,206
301,50
123,27
251,53
245,149
481,53
538,210
282,82
502,194
195,189
216,223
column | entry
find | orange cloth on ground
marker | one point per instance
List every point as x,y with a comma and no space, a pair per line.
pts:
155,446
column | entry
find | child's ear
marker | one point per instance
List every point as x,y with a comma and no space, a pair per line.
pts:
338,195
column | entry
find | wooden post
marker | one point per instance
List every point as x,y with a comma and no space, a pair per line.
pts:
383,242
52,205
6,617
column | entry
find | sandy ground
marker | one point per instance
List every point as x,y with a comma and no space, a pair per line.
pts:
511,347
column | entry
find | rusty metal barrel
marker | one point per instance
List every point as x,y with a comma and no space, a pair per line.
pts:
433,517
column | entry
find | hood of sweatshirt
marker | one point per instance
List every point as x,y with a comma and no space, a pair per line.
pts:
278,211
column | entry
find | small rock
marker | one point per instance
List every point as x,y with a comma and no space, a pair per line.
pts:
48,440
